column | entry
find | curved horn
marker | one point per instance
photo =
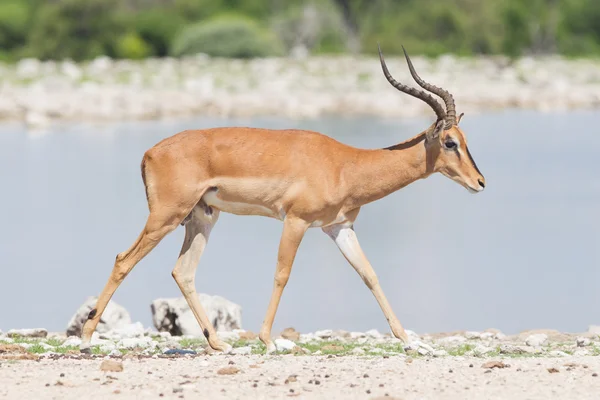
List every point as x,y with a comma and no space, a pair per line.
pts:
444,94
419,94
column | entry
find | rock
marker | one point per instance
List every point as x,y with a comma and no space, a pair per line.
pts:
422,351
228,371
178,352
357,351
30,333
284,344
536,340
440,353
108,347
113,317
124,332
481,349
324,334
242,350
583,341
357,335
132,343
72,341
174,315
373,333
290,334
472,335
494,364
111,366
417,345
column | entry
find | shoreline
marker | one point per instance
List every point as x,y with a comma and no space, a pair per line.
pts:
41,93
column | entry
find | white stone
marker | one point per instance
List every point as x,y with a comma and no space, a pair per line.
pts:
356,335
324,334
472,335
358,351
115,352
175,316
499,336
126,331
242,350
486,335
422,351
30,333
72,341
8,340
481,349
373,333
583,342
131,343
536,340
113,317
108,347
284,344
440,353
164,335
416,345
581,352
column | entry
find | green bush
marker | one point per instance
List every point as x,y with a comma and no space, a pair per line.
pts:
132,46
14,22
226,36
158,27
77,29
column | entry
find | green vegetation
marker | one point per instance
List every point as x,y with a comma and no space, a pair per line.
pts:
84,29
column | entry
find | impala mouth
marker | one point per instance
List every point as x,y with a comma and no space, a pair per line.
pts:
473,190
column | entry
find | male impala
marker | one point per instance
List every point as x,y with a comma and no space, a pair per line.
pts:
302,178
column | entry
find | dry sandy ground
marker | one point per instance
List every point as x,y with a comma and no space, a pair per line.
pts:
316,377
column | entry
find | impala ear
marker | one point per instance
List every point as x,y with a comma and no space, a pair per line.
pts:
434,132
459,118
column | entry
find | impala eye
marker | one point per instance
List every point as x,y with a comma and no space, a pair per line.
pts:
450,144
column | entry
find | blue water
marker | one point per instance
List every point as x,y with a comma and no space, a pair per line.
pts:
523,254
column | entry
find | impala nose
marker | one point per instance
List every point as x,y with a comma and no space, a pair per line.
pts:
481,183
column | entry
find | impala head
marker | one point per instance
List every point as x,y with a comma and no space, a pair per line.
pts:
445,142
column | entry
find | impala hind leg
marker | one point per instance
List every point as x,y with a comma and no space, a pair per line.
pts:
293,232
346,240
197,231
157,227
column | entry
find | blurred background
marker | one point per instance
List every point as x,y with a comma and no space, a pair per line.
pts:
84,29
87,86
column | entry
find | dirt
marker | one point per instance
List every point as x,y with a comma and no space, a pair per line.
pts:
314,377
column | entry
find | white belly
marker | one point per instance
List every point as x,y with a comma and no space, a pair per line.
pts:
212,199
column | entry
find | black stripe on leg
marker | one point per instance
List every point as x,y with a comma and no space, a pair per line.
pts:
92,314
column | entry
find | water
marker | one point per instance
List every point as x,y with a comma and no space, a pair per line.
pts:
523,254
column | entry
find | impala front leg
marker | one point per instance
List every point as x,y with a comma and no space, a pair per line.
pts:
293,232
345,238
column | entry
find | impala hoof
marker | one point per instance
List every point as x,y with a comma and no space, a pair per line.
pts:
271,348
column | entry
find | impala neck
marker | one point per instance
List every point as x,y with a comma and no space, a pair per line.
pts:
378,173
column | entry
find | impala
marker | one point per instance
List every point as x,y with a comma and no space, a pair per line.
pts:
302,178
